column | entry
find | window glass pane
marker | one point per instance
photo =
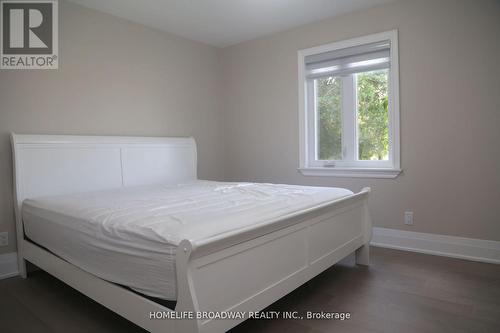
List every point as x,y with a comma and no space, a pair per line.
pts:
373,115
329,118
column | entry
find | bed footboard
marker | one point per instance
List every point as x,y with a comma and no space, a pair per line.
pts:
244,272
247,273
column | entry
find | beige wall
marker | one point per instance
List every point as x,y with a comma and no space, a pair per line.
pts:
450,113
114,78
240,103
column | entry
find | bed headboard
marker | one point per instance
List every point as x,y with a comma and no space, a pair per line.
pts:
56,164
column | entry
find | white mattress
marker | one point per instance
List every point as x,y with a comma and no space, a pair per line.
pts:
129,235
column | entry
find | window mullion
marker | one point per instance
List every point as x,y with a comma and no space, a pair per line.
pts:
311,123
349,119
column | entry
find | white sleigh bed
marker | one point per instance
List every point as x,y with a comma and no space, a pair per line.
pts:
211,273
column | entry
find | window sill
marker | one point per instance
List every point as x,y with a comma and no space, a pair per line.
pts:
351,172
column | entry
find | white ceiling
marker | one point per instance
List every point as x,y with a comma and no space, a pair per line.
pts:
226,22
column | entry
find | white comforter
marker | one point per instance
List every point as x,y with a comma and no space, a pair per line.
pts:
129,235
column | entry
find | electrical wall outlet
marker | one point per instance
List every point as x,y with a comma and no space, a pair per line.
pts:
4,238
409,218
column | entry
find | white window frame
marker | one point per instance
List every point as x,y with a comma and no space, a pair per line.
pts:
349,166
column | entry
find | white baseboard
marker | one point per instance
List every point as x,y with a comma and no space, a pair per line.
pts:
8,265
441,245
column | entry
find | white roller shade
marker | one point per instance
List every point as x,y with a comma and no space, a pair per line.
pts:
350,60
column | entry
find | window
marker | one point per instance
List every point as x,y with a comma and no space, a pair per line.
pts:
349,108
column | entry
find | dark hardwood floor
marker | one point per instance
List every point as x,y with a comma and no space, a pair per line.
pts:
400,292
